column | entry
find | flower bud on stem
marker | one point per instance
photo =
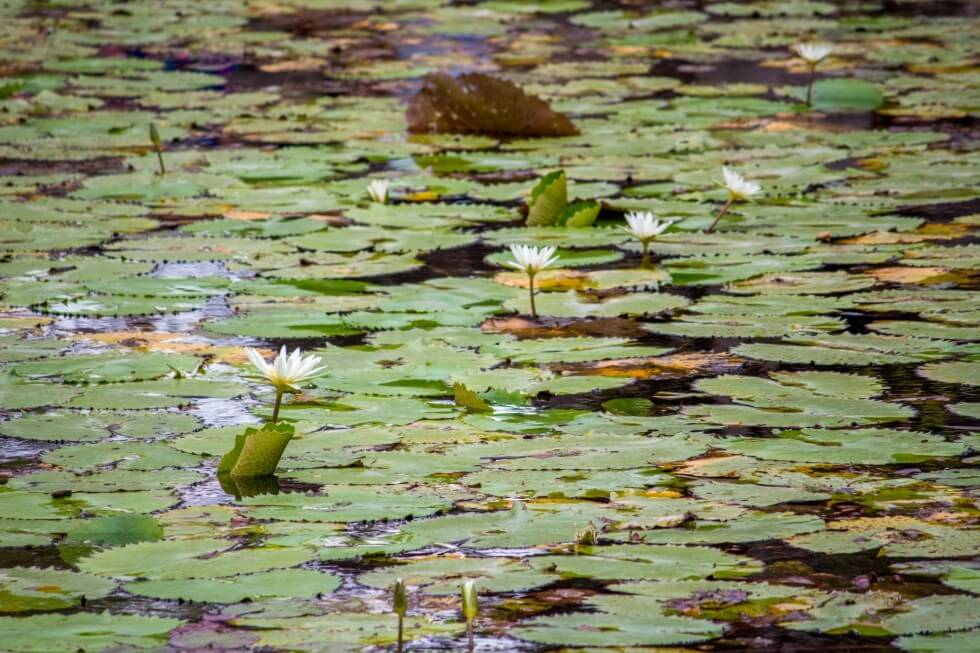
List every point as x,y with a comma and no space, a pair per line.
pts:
400,605
470,608
157,147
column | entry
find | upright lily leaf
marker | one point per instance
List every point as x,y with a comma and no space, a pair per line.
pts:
257,451
469,400
549,198
579,214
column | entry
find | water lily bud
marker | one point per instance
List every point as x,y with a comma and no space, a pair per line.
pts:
155,137
399,598
378,190
470,605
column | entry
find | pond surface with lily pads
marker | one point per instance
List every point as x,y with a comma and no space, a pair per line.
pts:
757,432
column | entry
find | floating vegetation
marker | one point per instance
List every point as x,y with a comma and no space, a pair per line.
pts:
600,325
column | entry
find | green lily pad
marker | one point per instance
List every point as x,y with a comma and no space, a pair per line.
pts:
112,368
58,426
444,575
827,399
86,630
953,372
622,621
843,95
186,559
876,446
25,589
282,583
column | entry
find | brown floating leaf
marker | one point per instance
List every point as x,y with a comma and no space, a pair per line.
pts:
928,231
301,64
903,274
242,214
547,280
475,103
671,366
524,328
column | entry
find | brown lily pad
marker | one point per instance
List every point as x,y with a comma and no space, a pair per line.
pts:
552,328
929,231
671,366
904,274
550,280
475,103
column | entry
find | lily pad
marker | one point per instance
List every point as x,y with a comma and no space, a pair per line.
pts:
87,630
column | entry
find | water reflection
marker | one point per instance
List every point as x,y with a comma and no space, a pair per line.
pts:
248,486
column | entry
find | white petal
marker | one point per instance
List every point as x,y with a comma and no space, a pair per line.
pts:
256,359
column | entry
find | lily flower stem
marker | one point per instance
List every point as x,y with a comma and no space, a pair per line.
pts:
275,411
646,254
721,213
401,631
534,311
163,169
469,634
809,86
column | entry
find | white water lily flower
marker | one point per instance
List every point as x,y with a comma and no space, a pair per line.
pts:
643,226
813,53
286,371
378,190
531,259
738,187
